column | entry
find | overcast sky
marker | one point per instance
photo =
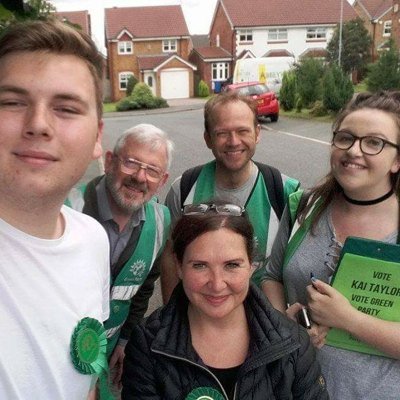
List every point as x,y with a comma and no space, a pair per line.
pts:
198,13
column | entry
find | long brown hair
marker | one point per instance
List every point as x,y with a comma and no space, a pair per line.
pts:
387,101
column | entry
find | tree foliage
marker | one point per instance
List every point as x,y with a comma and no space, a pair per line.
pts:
204,90
356,46
287,93
309,72
130,85
17,10
384,74
337,88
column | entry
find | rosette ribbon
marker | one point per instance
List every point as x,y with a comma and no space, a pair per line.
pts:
88,352
204,393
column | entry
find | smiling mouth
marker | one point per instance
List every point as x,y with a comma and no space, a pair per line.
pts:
216,300
35,158
350,165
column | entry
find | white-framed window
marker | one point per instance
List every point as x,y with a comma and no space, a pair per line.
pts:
169,45
220,71
123,79
245,35
277,34
316,33
125,47
387,28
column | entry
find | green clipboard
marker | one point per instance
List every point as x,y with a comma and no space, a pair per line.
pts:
368,275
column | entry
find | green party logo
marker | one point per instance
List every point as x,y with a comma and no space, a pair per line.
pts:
205,393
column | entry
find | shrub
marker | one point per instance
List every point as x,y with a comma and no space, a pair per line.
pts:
299,104
337,88
132,81
127,104
142,94
287,94
385,74
309,73
318,109
141,97
203,89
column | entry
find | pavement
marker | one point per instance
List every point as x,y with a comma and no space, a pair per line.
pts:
175,105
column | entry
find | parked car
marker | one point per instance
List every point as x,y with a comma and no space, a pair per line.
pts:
267,102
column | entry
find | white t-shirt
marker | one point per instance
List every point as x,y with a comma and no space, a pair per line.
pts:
46,288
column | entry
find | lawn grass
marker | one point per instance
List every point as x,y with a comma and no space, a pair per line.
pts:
305,114
109,107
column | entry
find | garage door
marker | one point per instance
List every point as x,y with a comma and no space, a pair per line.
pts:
175,84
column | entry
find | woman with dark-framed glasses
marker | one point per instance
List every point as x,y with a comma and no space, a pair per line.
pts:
218,337
359,197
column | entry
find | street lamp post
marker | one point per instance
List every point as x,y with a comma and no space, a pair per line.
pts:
340,33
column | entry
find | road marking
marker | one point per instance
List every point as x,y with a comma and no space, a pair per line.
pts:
297,136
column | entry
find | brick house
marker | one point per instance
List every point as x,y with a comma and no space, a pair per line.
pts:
80,18
273,28
396,22
377,17
153,44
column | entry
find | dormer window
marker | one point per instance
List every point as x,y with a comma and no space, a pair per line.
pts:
125,47
169,45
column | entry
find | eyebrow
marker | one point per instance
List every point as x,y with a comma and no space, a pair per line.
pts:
58,96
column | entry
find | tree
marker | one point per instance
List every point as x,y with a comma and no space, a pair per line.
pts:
14,10
356,46
337,88
130,85
287,94
309,73
385,73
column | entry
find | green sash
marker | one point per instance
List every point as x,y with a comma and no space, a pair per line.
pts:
257,206
131,276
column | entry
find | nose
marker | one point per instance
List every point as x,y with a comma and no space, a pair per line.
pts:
233,138
37,122
141,175
355,149
217,280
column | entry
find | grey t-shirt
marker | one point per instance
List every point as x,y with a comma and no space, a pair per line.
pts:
238,195
349,375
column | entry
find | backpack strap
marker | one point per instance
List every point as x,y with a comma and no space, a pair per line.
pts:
274,184
188,179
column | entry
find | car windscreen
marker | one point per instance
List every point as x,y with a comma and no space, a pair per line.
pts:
253,90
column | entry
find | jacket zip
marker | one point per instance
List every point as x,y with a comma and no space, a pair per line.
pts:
197,365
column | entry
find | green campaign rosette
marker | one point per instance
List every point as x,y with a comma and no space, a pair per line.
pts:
88,352
205,393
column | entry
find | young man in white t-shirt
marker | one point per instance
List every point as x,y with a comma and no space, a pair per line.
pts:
54,273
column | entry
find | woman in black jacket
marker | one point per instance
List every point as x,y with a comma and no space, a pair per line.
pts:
218,337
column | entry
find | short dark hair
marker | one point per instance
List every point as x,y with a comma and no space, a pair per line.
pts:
190,227
223,99
53,36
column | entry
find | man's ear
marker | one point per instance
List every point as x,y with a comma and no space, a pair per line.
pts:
207,139
108,161
98,149
163,180
258,131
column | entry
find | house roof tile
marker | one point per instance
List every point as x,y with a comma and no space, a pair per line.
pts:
150,62
289,12
81,18
213,52
146,22
376,8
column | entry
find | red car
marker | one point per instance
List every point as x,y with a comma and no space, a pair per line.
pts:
267,103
